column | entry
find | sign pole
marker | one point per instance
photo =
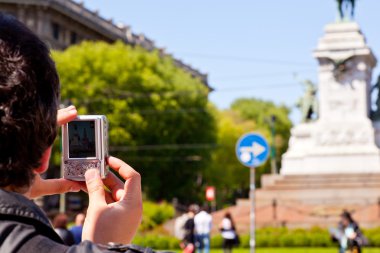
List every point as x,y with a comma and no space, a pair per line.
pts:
252,150
252,241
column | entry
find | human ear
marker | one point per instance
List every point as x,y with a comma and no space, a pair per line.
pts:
44,162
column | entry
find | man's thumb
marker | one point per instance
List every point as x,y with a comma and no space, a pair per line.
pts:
95,188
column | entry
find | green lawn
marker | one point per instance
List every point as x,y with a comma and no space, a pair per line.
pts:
294,250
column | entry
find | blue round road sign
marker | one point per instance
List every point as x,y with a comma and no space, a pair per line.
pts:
252,150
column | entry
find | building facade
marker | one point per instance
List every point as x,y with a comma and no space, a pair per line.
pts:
62,23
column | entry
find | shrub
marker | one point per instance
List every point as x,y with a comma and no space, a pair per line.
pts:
319,240
162,243
156,241
155,214
301,240
373,236
286,240
262,240
216,241
244,241
283,237
268,237
273,240
173,243
373,239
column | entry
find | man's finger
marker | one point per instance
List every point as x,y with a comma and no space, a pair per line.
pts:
109,198
53,186
115,185
66,114
132,185
122,168
96,192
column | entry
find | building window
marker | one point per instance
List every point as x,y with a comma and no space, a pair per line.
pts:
73,38
56,30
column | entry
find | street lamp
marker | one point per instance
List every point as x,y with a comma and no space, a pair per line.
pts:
273,147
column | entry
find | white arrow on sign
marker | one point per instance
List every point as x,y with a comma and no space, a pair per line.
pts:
256,149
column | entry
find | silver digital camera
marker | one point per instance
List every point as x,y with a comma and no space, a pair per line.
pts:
85,146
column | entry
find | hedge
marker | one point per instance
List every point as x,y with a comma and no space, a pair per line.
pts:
373,236
266,237
155,215
157,241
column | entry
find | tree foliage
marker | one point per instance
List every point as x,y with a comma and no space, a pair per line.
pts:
154,108
230,178
261,112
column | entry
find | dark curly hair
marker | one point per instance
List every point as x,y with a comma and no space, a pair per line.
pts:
29,92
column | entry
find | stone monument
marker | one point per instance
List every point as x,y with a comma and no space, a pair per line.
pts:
343,139
333,160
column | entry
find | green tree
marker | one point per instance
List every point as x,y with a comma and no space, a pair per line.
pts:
154,108
230,178
261,113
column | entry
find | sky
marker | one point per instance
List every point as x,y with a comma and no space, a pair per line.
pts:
249,48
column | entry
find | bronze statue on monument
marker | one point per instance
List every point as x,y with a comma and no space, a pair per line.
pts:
343,8
308,103
375,114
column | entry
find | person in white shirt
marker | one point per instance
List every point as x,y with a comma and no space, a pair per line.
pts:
203,224
228,230
179,223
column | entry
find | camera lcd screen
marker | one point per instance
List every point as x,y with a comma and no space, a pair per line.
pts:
82,139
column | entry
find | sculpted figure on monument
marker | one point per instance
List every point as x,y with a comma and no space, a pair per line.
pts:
308,103
375,114
343,7
341,67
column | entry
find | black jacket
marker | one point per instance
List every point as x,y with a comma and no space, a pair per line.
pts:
24,228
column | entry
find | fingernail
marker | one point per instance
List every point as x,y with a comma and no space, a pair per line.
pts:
91,174
74,189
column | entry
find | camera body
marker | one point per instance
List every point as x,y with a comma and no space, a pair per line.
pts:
85,146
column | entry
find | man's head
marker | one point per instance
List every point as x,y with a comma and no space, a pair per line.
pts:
29,91
60,221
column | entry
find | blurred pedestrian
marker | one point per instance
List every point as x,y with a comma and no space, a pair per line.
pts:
348,234
179,223
229,234
78,228
203,224
60,226
189,239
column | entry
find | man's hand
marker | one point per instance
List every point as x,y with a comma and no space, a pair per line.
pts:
42,187
66,115
113,216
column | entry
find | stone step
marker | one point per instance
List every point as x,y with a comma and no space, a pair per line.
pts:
327,183
288,185
332,177
321,181
334,196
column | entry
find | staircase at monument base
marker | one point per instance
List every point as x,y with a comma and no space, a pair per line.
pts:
303,201
318,200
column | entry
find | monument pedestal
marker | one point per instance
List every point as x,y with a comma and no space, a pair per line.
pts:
332,147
